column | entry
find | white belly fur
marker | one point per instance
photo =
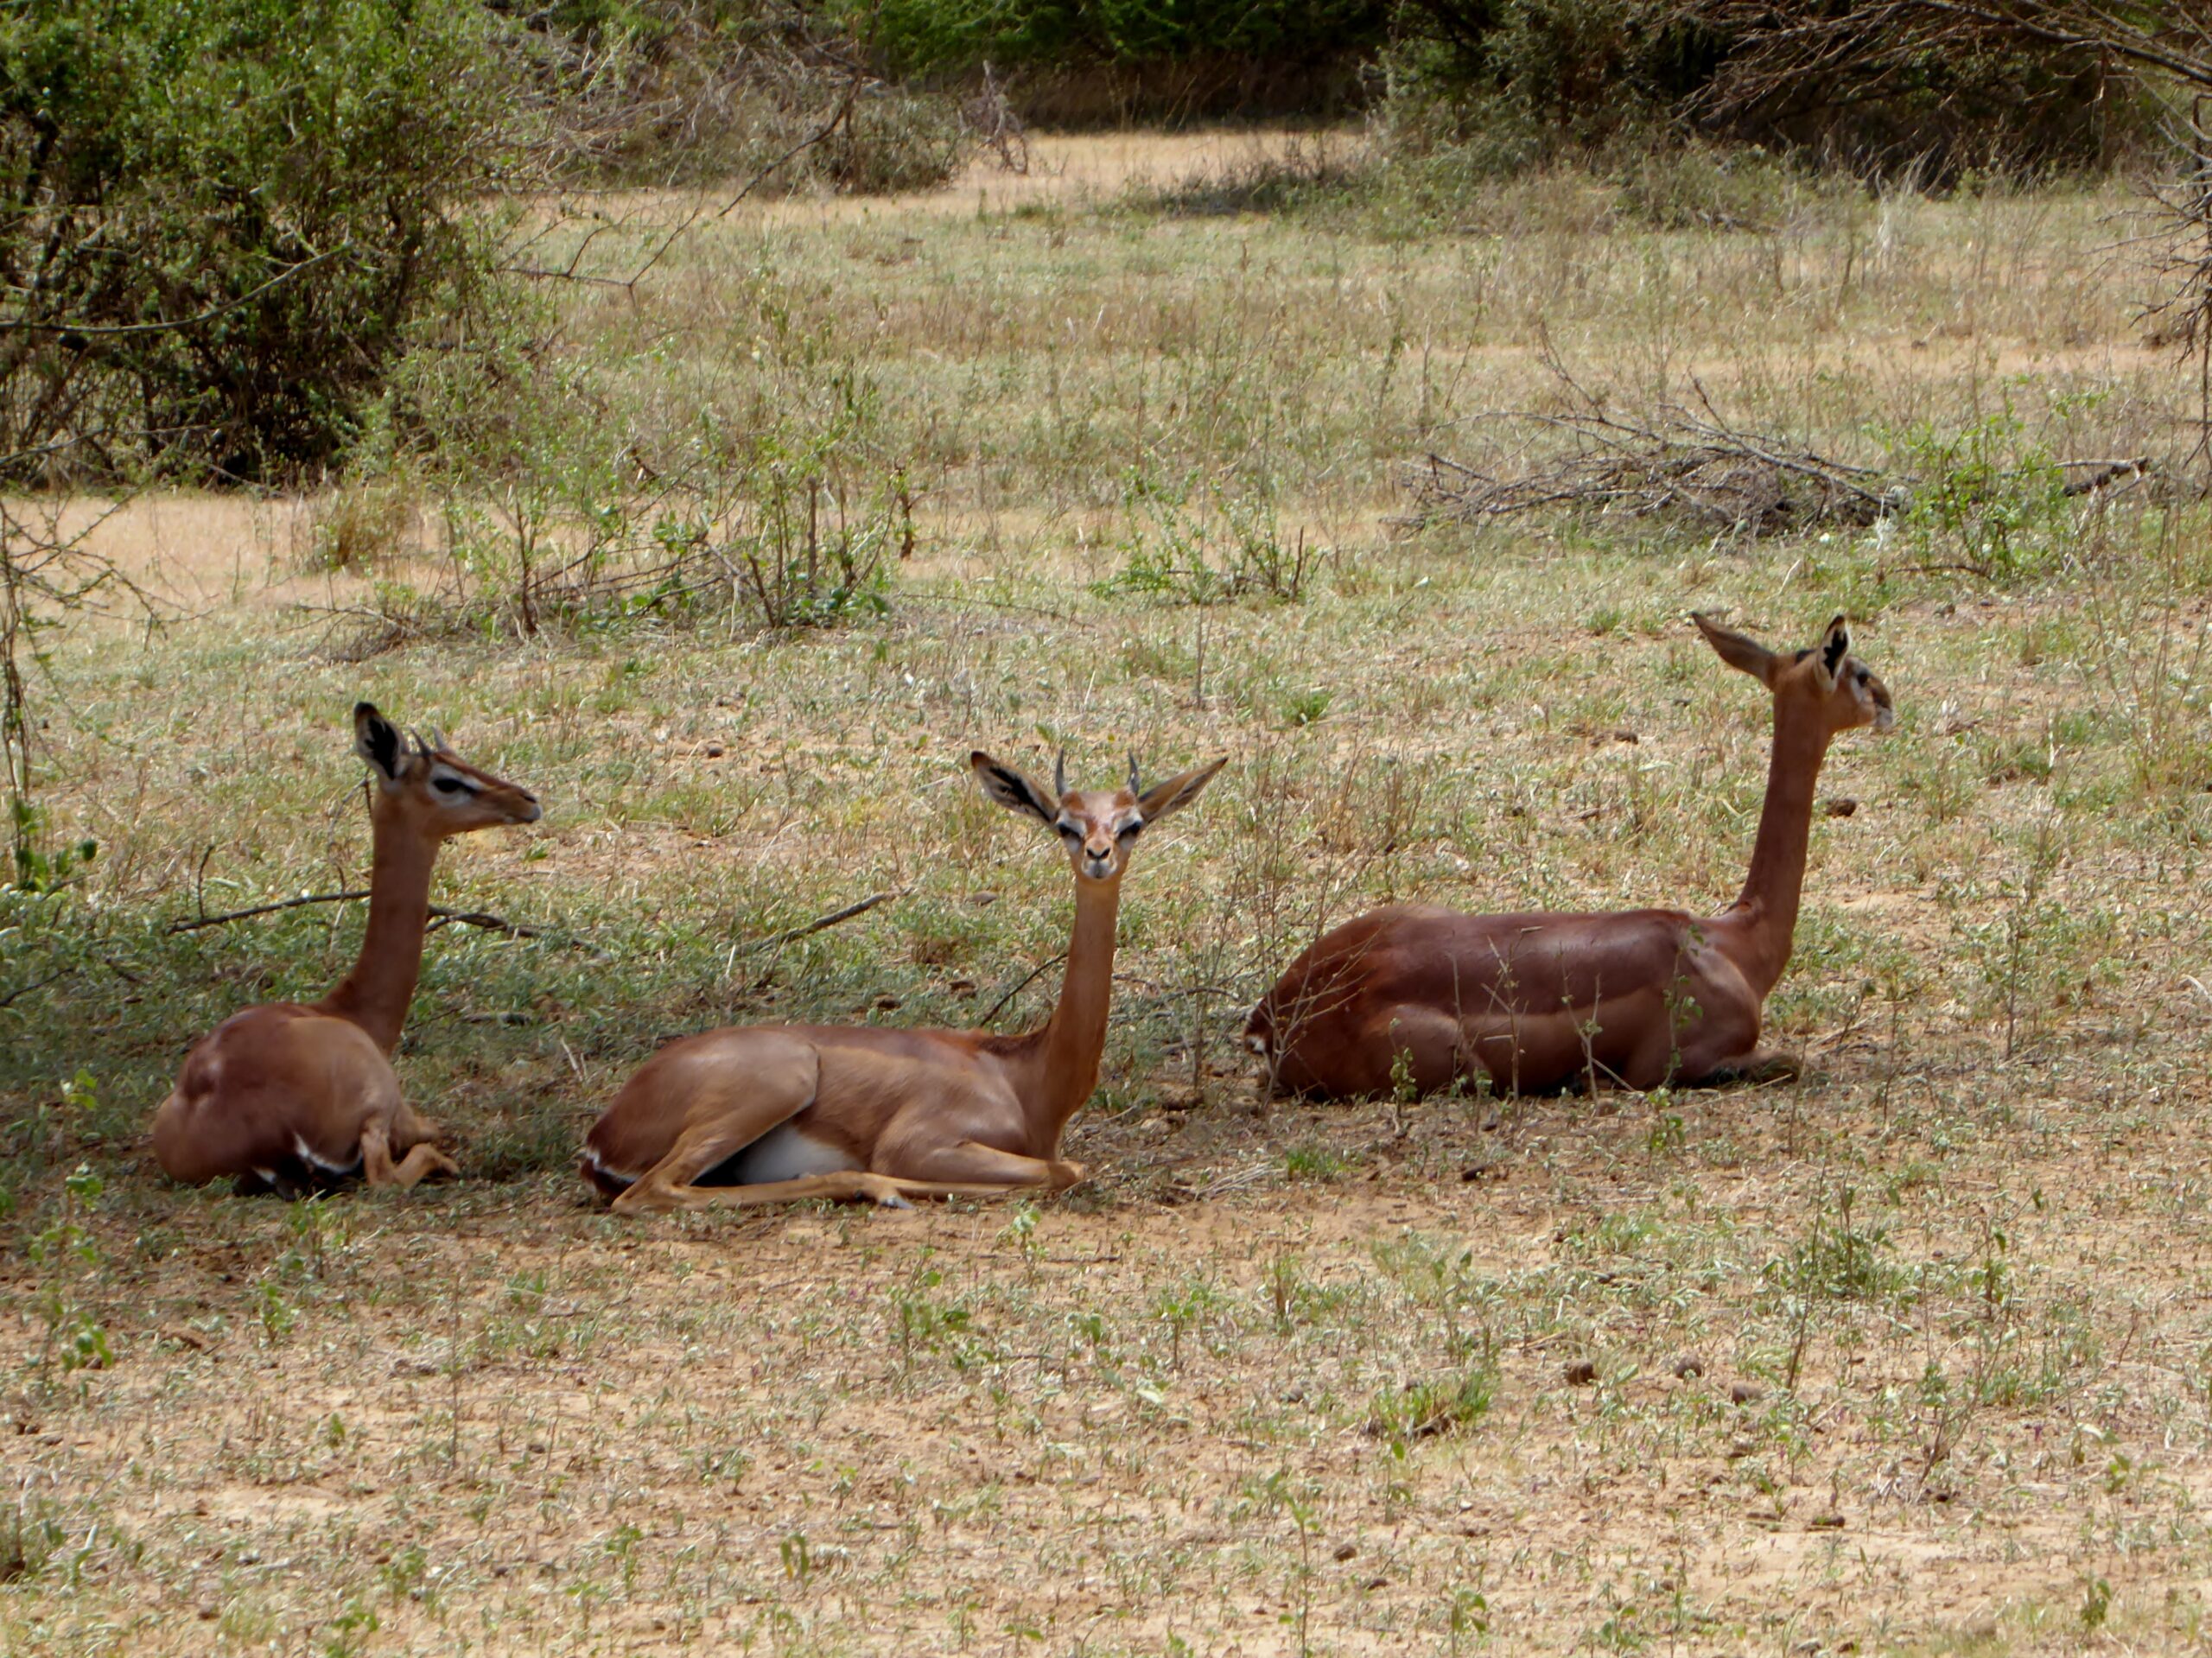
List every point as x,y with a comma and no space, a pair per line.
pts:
784,1153
308,1156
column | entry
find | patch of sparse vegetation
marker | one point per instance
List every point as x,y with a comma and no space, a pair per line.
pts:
1355,1369
1405,1416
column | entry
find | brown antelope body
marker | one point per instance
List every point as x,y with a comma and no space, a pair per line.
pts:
291,1095
1537,1002
782,1113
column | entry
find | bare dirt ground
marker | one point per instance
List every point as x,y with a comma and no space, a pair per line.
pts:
1907,1356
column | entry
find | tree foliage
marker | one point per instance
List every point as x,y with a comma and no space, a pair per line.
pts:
222,221
1156,57
1877,85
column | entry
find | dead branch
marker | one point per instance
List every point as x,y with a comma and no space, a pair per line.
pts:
2107,473
1674,463
821,922
439,916
229,915
22,990
490,923
1027,980
94,330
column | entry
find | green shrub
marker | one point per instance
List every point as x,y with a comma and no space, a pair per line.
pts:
227,220
1525,77
1516,83
1084,60
1446,1405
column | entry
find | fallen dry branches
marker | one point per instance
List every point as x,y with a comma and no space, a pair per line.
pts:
1691,463
1686,462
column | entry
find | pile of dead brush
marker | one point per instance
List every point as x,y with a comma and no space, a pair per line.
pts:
1688,463
1678,462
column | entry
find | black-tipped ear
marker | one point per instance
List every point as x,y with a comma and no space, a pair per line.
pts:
1178,791
1836,645
1011,789
376,740
1737,649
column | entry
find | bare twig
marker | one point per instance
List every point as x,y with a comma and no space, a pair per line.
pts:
22,990
228,916
438,916
489,922
114,330
843,113
1028,978
821,922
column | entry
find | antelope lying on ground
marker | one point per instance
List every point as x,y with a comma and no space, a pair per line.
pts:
293,1094
774,1114
1532,1002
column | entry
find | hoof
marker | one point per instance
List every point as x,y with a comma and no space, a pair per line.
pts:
886,1194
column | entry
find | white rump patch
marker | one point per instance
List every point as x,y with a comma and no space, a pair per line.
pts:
307,1155
784,1153
592,1157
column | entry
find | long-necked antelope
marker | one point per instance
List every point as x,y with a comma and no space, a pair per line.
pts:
1532,1002
778,1113
291,1093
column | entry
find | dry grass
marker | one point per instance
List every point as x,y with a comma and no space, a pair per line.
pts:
1372,1380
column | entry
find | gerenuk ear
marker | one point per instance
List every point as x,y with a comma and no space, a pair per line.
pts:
1012,789
1738,652
1178,791
1836,645
376,740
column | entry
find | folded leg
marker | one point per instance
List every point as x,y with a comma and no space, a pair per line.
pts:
844,1185
378,1169
782,1085
972,1169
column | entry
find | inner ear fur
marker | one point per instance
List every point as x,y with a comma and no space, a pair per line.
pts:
1012,789
1178,791
1737,649
377,740
1836,645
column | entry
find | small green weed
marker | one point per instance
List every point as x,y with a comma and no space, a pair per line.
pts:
1403,1416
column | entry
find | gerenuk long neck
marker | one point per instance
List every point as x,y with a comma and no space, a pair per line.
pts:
1070,1046
376,994
1766,910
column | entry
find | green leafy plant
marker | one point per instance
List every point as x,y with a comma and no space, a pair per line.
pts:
42,871
1404,1415
1985,500
1227,546
67,1250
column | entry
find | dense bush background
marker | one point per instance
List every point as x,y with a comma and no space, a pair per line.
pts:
1120,59
1525,80
223,222
224,225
